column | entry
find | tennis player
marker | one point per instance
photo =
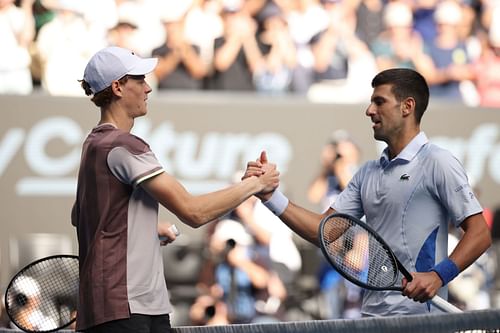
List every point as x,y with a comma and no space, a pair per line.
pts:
409,196
120,183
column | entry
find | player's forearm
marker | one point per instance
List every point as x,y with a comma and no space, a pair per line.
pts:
204,208
303,222
196,211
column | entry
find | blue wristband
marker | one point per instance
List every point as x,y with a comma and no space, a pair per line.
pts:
447,270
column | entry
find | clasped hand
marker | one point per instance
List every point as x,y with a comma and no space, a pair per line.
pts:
259,168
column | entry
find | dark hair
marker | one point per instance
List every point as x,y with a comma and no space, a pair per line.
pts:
406,83
104,97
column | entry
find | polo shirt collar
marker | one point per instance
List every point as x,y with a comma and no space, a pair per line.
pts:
408,153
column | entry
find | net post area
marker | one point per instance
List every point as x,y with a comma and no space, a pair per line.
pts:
487,321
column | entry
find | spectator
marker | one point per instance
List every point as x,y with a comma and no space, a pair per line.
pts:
27,299
306,18
449,54
237,273
17,32
369,20
146,15
208,310
485,69
179,63
342,61
423,17
64,46
495,235
399,45
202,26
236,53
124,33
340,158
278,52
273,239
4,318
471,289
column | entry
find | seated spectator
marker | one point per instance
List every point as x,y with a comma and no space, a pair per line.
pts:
180,65
17,31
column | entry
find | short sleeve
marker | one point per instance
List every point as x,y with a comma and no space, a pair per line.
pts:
453,188
132,168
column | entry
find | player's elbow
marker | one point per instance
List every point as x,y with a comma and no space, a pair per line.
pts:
487,239
194,218
483,239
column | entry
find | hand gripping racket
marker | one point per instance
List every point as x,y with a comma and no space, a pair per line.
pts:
361,256
42,297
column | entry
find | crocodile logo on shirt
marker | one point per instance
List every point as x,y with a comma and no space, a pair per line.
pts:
405,176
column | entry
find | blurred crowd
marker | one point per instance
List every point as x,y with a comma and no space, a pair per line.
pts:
250,268
326,50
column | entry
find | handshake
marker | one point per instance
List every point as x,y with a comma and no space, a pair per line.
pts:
267,174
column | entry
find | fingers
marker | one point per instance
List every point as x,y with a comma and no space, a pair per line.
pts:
168,235
421,288
263,157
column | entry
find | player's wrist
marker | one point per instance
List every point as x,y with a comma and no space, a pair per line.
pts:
277,203
447,270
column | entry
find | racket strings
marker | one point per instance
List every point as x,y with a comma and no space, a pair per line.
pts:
358,254
43,296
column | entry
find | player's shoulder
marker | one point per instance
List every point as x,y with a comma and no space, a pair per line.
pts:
437,153
437,157
131,142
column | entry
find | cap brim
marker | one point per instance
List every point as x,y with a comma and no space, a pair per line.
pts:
144,66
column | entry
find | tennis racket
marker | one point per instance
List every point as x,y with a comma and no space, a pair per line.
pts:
361,256
42,297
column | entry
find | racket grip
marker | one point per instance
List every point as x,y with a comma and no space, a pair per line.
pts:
444,306
174,230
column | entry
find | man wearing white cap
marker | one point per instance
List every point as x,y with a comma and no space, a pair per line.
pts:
27,299
120,183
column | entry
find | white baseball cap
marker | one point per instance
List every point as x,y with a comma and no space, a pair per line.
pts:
27,286
448,12
113,63
398,14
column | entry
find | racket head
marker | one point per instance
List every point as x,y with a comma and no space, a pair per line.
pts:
43,296
358,253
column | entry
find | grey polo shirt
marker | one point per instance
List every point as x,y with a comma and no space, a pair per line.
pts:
410,201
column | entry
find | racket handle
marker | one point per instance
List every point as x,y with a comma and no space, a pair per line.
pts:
444,306
174,230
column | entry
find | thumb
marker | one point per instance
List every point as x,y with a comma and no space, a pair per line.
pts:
263,157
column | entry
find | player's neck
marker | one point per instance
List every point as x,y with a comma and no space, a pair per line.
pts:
400,142
117,118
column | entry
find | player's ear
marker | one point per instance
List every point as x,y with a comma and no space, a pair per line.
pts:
116,87
408,106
